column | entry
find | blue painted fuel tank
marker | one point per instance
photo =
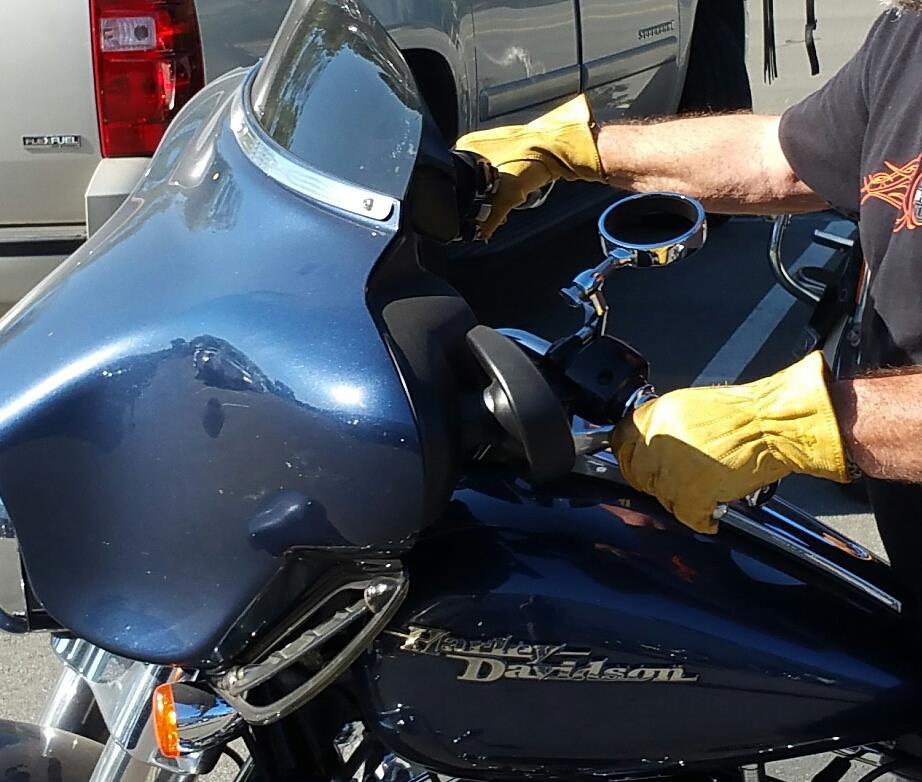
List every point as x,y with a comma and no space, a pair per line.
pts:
581,631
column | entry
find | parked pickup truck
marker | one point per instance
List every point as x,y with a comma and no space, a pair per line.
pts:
90,86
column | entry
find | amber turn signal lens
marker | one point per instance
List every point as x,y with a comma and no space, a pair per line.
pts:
165,727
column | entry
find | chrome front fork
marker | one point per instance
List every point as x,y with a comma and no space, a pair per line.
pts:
72,706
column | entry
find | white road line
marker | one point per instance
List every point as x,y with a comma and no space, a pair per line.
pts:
736,353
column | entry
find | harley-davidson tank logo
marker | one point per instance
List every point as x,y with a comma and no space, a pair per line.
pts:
493,659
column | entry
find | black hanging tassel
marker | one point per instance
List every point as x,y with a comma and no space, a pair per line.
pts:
770,69
808,38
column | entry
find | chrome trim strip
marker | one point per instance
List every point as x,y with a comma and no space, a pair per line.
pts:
381,597
269,158
243,678
604,70
854,549
530,91
757,530
605,466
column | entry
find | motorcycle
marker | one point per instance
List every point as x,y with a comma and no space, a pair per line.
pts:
266,478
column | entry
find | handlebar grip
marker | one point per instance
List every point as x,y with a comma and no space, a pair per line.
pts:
757,498
476,181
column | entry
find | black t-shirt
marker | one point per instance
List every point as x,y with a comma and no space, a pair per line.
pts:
857,143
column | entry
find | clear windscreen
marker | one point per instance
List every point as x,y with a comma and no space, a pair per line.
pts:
336,94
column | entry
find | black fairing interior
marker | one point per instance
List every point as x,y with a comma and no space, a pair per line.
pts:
425,320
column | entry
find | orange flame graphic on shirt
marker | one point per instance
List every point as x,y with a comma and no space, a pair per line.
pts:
901,187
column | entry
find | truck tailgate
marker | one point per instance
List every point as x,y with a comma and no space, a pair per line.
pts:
49,140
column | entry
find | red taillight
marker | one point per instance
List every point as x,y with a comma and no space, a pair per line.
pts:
147,58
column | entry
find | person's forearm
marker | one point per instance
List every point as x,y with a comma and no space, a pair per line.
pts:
880,419
733,163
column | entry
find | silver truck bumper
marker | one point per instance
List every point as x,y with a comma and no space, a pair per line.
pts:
112,181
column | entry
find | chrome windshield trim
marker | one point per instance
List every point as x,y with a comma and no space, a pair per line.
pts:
273,161
758,530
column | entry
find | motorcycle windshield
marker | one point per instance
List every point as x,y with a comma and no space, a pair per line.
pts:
335,94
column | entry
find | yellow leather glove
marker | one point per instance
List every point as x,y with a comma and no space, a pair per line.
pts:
698,447
557,145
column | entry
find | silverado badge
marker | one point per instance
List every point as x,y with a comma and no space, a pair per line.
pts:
492,659
656,30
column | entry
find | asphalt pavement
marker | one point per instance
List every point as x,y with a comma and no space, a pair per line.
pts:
682,318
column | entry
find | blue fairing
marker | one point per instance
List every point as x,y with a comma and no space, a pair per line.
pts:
720,648
197,391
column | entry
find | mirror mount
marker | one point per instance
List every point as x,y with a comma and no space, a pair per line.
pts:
587,291
643,231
